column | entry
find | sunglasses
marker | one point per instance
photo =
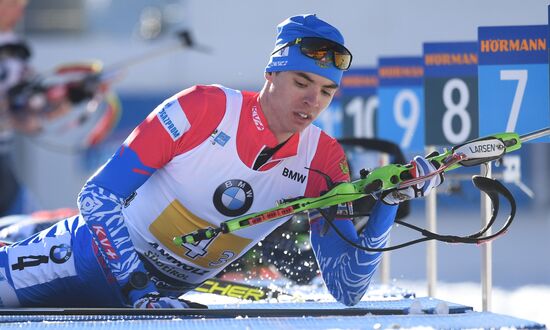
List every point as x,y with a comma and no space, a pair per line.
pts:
319,48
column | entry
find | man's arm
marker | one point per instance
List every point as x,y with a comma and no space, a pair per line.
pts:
149,147
346,270
100,202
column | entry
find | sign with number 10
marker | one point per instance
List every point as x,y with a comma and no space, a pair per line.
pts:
513,79
401,102
359,102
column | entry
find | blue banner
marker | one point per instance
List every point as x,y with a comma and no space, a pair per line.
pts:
513,79
447,59
451,92
400,116
513,44
359,102
330,120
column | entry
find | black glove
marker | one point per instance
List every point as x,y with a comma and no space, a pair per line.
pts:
82,90
26,96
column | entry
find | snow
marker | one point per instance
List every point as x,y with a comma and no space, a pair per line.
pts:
520,267
530,302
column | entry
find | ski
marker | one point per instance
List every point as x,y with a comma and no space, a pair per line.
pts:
423,305
238,290
51,313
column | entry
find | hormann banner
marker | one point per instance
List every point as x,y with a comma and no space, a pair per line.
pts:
513,79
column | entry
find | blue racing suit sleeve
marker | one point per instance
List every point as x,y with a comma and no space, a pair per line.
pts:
346,270
101,201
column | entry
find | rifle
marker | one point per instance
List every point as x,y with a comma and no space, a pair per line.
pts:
392,177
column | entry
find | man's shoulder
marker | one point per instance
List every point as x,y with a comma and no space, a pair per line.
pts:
202,91
200,100
325,140
213,94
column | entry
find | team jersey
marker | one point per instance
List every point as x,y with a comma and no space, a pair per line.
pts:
221,132
177,199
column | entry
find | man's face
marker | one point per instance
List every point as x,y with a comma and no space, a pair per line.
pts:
296,99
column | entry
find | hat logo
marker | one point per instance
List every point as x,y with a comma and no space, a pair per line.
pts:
283,52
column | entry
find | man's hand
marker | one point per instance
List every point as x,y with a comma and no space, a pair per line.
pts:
73,83
156,300
83,90
421,167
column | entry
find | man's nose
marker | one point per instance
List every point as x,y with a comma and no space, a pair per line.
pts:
311,98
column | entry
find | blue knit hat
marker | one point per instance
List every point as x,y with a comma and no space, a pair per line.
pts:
291,59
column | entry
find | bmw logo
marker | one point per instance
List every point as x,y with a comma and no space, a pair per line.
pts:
233,197
60,253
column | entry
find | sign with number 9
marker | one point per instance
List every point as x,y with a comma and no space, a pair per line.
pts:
401,102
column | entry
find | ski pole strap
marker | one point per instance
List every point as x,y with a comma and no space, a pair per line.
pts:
493,189
489,186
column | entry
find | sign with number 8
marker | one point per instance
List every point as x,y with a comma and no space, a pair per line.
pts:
450,89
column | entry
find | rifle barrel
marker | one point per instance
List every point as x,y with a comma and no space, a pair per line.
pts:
535,134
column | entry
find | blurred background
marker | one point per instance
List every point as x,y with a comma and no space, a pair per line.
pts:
239,36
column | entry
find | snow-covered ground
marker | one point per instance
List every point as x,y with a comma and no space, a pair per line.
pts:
530,302
520,264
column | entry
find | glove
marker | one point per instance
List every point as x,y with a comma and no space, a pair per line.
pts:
155,300
26,96
83,90
421,167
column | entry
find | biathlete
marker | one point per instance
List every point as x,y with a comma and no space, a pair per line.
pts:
203,156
